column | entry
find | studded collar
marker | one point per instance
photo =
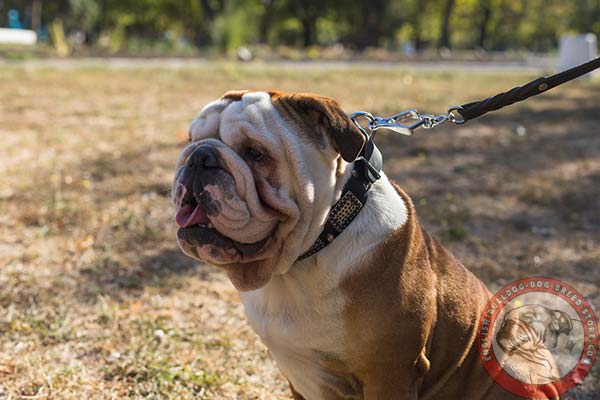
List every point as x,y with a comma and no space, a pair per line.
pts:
365,171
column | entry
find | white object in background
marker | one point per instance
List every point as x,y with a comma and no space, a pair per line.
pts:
577,49
18,36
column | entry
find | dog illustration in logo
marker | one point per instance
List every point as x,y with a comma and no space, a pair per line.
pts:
527,336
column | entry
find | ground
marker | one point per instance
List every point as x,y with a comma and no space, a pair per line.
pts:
96,300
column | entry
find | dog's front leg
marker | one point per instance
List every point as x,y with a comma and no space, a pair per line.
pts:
332,387
390,390
395,382
295,395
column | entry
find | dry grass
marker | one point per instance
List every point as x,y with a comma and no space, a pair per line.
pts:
97,302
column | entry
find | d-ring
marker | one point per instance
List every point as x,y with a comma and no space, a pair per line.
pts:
455,116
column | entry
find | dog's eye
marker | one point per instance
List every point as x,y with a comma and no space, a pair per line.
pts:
254,154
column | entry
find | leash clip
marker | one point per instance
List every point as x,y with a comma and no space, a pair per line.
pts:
399,123
403,123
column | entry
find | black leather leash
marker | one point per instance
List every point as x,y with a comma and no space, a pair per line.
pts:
367,167
476,109
407,121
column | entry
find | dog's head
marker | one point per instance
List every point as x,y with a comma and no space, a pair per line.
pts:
529,327
255,184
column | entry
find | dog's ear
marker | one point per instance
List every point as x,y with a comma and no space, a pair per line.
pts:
321,116
234,95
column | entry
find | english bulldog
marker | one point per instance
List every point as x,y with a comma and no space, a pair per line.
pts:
527,336
379,311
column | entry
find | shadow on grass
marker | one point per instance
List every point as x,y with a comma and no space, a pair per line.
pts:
165,270
137,164
510,197
448,153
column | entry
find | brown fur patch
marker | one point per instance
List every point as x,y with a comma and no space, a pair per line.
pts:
304,122
295,395
411,321
320,116
249,276
235,95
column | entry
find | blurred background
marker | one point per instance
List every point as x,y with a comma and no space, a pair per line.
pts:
96,299
309,29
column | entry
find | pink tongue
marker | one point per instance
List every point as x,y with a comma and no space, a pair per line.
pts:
188,216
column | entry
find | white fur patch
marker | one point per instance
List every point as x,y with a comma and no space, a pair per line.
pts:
299,314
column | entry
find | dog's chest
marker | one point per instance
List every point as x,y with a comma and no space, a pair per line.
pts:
305,335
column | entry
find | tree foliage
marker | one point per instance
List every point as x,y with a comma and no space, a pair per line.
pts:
225,24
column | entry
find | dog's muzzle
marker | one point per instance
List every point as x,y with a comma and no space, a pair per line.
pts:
202,189
190,211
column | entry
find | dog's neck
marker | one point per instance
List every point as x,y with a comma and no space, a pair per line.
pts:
383,213
309,280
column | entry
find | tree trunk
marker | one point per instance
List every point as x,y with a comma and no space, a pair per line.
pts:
266,21
372,33
201,35
417,35
36,15
486,16
209,12
309,24
417,18
372,19
445,28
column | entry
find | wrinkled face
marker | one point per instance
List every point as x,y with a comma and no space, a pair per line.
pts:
528,327
253,187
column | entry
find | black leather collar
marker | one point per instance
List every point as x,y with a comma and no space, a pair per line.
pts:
365,171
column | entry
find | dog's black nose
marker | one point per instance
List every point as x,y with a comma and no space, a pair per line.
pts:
203,157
